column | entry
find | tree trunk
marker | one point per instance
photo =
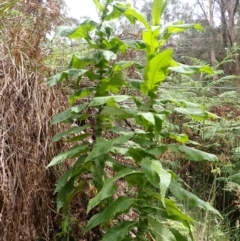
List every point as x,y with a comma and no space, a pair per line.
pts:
231,6
224,33
211,25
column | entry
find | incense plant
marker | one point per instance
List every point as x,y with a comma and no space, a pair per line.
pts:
129,127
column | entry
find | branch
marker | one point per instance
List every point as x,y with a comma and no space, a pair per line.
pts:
235,7
205,15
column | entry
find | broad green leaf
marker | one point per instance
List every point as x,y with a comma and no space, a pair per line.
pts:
70,73
157,175
158,8
187,69
174,211
170,29
197,155
100,148
78,62
132,15
156,151
71,153
159,119
61,117
150,38
97,101
178,235
156,70
115,113
78,167
113,84
121,65
135,44
114,44
64,31
182,194
53,80
104,55
78,138
83,30
99,5
119,206
73,130
114,14
183,138
65,195
84,92
195,113
184,103
161,231
137,154
104,146
109,188
120,232
148,116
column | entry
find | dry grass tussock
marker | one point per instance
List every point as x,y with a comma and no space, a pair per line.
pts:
26,107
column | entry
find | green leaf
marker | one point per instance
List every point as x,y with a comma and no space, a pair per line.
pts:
104,55
114,14
84,92
99,5
150,38
119,206
121,65
178,235
159,119
132,15
148,116
97,101
53,80
82,31
174,211
70,73
182,194
197,155
158,8
78,167
161,232
120,232
135,44
157,176
116,113
183,138
71,153
155,71
61,117
195,113
109,188
113,84
187,69
73,130
101,147
170,29
78,62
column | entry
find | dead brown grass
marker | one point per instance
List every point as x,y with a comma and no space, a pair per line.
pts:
26,107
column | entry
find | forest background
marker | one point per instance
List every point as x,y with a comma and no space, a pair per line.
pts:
28,58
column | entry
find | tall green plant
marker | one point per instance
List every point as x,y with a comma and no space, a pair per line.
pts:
133,124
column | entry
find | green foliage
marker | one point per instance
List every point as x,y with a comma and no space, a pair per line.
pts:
139,142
